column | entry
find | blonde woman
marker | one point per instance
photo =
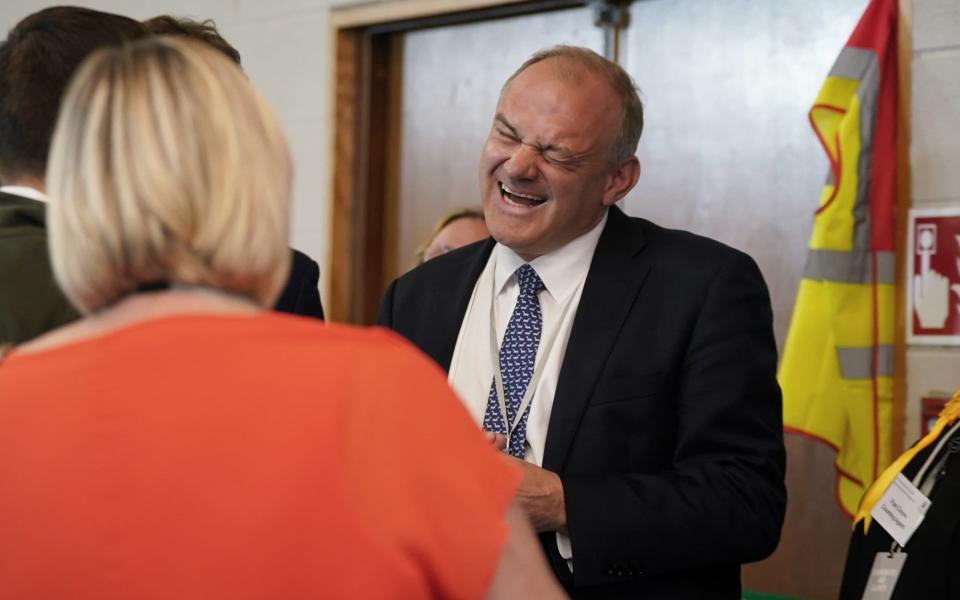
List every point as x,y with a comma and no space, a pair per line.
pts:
180,441
456,229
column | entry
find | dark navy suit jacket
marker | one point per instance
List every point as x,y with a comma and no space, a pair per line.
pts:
666,425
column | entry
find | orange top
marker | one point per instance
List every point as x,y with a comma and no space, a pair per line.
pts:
237,457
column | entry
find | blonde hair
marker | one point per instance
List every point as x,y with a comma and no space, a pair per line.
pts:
470,212
167,166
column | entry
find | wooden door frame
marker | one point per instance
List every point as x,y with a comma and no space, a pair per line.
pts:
367,58
898,439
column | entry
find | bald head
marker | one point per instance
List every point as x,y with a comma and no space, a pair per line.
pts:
574,65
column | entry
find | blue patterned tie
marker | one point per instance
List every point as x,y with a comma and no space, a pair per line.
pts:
518,352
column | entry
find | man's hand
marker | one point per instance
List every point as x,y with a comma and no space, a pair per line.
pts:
497,440
540,495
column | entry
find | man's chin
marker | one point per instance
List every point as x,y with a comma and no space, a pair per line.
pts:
522,246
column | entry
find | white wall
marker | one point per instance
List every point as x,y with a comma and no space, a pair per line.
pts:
286,48
935,176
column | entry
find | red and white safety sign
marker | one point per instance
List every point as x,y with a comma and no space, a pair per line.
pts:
933,300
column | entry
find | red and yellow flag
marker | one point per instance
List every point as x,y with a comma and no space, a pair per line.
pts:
837,366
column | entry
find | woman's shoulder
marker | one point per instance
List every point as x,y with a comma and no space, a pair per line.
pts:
292,328
266,334
349,349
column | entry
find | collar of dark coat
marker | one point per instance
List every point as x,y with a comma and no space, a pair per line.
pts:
622,237
18,211
622,234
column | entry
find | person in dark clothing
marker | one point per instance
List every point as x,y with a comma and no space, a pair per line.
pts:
925,566
37,59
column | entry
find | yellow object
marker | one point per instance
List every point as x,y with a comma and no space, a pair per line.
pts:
948,416
837,366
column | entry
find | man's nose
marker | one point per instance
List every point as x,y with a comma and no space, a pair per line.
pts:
522,163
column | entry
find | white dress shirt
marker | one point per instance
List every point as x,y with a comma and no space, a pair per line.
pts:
563,273
25,192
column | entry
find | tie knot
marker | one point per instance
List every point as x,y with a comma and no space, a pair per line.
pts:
529,281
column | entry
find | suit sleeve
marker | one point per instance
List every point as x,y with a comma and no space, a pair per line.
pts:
723,500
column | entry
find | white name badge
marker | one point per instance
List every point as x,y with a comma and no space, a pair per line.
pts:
901,509
883,576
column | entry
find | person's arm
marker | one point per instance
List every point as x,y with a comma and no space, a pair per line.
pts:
449,492
522,570
723,500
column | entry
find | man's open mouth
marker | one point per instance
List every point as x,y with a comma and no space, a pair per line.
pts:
517,199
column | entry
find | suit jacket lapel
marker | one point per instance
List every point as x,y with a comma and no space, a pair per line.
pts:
441,333
615,276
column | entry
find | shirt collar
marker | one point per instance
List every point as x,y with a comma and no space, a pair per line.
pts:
561,270
24,191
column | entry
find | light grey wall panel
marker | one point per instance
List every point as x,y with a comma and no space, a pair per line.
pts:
728,151
936,24
930,369
935,135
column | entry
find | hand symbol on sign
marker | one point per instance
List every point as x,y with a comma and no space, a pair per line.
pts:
931,299
931,290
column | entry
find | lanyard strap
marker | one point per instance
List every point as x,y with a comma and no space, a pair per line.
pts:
921,478
538,364
948,416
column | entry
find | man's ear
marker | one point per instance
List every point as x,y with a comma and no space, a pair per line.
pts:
622,180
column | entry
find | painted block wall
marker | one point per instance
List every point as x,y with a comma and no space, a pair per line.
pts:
935,169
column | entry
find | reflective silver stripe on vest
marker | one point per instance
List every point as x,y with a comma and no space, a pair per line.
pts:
861,65
867,93
855,363
849,267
